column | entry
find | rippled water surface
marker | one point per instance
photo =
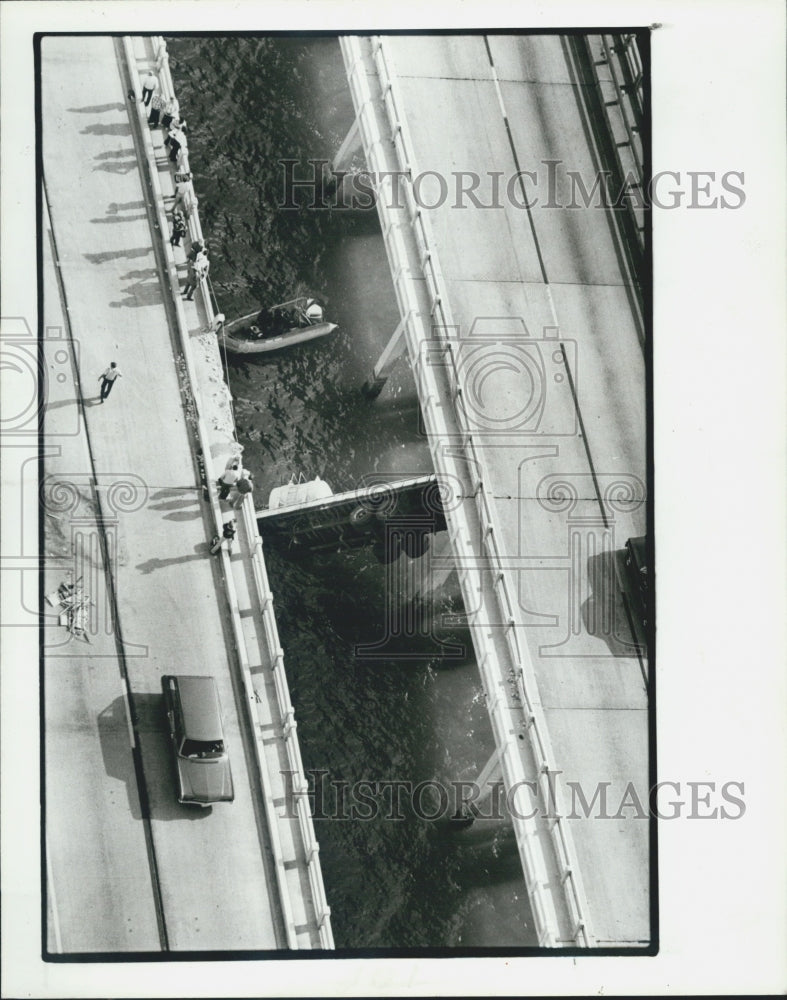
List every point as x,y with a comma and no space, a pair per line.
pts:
391,883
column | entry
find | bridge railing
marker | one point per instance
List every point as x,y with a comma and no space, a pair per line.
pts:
622,98
496,674
263,592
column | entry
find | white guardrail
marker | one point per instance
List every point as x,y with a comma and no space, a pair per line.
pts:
247,520
497,676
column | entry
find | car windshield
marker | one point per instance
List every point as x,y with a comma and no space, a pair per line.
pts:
201,748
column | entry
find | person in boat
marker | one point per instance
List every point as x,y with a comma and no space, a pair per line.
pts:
274,322
311,313
270,323
302,313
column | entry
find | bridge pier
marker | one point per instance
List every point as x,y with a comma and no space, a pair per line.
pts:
390,355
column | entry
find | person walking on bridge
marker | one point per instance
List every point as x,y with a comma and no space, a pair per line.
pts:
108,379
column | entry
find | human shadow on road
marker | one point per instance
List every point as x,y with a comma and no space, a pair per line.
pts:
116,154
120,167
144,274
102,258
171,492
120,218
176,504
604,613
116,161
58,404
200,552
121,206
120,128
144,292
97,109
183,515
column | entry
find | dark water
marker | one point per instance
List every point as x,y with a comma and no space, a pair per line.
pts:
391,882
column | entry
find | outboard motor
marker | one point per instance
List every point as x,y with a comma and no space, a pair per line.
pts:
314,312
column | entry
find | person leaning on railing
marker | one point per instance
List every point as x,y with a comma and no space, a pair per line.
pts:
156,105
198,272
183,192
176,140
171,111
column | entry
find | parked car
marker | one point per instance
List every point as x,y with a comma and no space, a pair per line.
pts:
201,759
636,564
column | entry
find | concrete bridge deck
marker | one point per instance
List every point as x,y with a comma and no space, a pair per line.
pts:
523,329
161,877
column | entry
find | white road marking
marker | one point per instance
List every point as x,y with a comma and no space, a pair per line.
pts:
496,82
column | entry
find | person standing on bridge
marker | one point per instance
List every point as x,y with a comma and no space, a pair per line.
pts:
228,478
156,106
149,84
177,140
196,248
108,379
244,487
171,110
183,191
198,272
227,535
178,228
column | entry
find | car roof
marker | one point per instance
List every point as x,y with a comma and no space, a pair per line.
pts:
199,704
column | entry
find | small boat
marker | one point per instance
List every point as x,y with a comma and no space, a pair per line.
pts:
260,332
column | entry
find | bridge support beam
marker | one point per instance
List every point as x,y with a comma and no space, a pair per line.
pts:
390,355
351,144
493,769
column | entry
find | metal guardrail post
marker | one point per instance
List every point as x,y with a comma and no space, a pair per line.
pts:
623,109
